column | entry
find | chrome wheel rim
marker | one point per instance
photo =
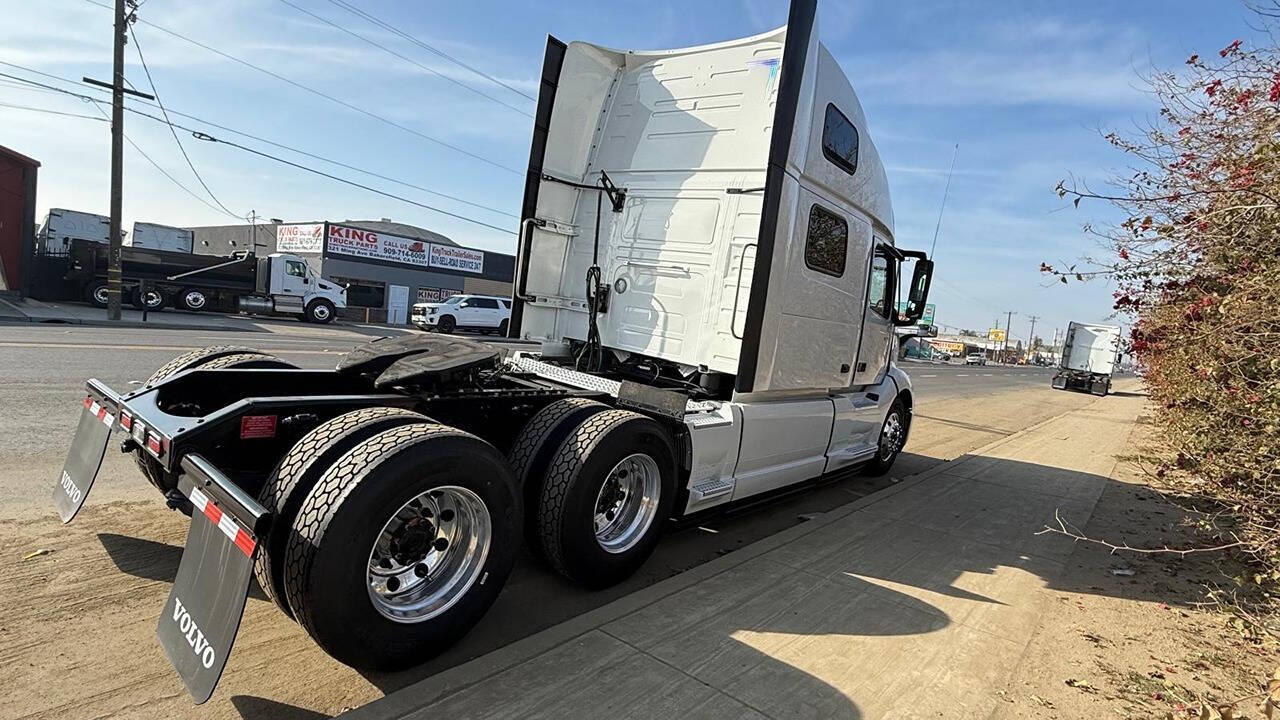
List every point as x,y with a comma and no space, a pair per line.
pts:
152,299
100,294
627,503
194,300
321,312
429,554
891,436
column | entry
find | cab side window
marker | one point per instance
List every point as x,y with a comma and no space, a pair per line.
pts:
827,242
295,268
880,293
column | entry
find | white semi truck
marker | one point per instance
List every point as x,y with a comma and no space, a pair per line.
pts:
1090,355
708,262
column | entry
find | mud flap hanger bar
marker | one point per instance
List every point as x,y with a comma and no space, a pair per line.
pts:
617,196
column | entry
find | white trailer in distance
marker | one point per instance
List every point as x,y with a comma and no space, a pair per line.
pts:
1090,355
708,263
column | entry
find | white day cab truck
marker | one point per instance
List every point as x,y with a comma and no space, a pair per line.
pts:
708,261
1090,355
275,284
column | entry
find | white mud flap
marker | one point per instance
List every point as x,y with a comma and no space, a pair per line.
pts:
202,615
97,420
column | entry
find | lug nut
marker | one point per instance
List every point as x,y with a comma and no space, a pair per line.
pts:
440,544
393,584
420,570
446,515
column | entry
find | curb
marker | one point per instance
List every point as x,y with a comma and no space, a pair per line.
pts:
125,324
455,679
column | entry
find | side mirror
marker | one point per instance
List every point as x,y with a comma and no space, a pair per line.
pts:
917,292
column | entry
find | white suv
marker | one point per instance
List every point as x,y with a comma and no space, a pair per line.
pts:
485,313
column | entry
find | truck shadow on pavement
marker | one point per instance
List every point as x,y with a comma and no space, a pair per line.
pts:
151,560
921,601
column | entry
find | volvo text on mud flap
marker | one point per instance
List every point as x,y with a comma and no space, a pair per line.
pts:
97,420
202,615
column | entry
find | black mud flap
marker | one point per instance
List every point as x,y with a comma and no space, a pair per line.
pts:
97,420
202,615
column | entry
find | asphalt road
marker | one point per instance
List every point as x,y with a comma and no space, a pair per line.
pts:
87,610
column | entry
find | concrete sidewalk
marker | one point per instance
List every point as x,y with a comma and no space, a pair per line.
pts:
917,601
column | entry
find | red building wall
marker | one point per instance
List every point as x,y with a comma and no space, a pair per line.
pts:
17,217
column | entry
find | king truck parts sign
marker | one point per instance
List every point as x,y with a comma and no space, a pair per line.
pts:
371,245
300,238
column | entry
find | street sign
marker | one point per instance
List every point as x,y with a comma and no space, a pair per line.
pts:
926,319
995,335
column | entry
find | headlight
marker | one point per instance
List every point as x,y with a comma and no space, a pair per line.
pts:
431,311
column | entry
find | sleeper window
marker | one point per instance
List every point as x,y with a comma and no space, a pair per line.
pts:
840,140
827,241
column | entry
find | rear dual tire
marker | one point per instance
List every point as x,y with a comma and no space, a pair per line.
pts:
332,557
302,467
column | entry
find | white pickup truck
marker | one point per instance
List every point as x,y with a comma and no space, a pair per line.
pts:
708,263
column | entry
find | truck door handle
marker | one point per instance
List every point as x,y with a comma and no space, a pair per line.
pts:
737,290
862,366
844,368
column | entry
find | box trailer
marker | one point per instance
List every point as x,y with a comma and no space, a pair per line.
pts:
62,226
279,283
707,261
1090,356
160,237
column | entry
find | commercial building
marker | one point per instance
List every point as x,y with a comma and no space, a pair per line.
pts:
17,220
386,266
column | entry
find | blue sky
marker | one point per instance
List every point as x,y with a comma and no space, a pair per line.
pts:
1023,87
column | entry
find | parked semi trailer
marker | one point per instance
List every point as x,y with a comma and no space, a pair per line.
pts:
708,263
279,283
1090,355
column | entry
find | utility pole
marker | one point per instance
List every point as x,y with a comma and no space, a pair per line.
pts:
114,274
1031,339
253,234
124,17
1008,320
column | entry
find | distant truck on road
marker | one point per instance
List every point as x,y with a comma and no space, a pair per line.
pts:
279,283
1089,358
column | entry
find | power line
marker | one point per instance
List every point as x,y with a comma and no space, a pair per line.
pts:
156,165
53,112
172,131
322,94
389,51
429,48
205,136
199,135
273,143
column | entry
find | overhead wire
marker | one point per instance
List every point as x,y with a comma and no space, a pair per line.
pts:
52,112
321,94
172,131
407,59
391,28
200,135
267,141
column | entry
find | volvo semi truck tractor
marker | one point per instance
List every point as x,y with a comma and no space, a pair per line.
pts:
707,261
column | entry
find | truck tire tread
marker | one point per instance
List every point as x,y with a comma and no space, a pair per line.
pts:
536,444
249,359
323,507
193,358
287,487
563,474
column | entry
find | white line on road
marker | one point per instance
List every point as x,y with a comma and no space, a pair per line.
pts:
925,376
962,375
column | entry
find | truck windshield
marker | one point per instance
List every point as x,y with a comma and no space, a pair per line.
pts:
453,300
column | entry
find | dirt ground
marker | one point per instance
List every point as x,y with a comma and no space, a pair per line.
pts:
77,621
1139,643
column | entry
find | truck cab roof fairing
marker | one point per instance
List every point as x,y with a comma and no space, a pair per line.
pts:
676,129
